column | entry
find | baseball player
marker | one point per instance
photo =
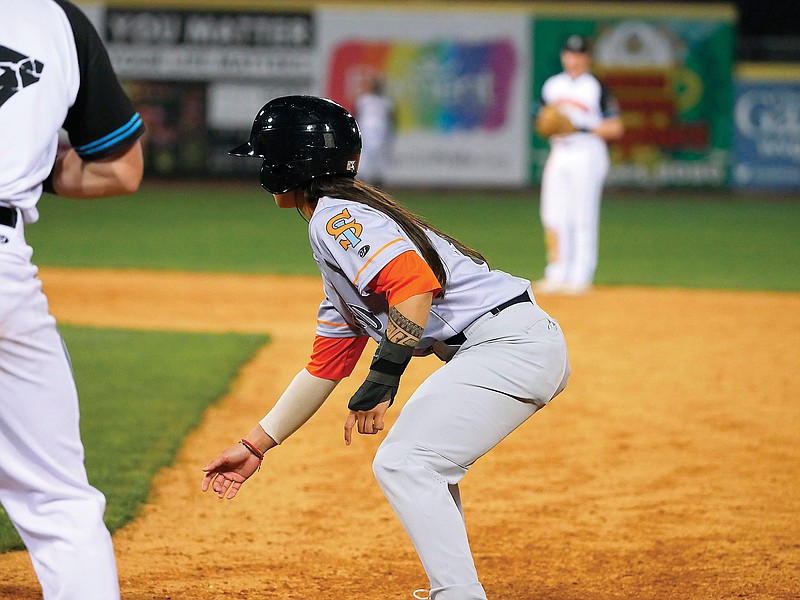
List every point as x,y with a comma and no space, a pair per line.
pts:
575,171
375,114
390,276
54,72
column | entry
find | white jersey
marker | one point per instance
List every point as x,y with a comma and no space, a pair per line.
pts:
352,242
45,84
374,114
584,99
54,74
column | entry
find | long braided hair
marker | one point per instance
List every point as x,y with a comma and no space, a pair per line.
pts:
348,188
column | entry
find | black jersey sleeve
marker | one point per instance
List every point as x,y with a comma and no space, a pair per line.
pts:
102,121
609,106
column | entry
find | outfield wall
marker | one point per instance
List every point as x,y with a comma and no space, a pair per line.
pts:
464,76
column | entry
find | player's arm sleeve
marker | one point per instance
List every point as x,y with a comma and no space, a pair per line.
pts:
405,276
298,403
337,348
102,121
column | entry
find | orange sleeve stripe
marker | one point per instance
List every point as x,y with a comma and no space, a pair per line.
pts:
405,276
374,256
335,358
333,324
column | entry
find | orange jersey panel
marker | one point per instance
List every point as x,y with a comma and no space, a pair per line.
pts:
406,276
335,358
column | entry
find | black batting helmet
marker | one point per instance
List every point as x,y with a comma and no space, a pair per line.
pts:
300,138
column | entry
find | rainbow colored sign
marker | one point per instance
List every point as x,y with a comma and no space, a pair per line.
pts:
438,86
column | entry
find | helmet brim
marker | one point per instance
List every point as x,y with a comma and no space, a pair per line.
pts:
245,149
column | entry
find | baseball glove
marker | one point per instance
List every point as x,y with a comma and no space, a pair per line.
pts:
551,121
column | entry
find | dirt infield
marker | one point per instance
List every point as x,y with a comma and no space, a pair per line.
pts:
668,469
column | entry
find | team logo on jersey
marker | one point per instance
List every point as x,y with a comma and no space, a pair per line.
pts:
16,72
345,229
365,318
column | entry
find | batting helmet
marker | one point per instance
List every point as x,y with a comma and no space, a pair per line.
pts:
300,138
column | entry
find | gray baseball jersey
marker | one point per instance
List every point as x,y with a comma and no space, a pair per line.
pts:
352,242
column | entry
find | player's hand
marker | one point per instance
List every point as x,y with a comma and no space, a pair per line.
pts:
226,473
369,422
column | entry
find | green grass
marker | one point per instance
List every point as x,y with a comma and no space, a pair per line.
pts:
187,228
141,392
724,244
696,239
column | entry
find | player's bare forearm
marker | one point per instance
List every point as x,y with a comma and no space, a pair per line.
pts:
261,439
408,318
114,176
610,129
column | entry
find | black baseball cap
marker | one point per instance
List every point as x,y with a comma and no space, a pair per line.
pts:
576,43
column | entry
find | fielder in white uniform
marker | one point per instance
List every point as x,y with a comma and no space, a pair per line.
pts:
389,276
54,72
375,114
575,171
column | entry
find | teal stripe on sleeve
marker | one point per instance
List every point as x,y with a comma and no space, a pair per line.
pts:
112,138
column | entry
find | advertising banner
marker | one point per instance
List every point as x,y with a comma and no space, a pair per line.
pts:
672,76
459,82
767,134
463,79
199,77
195,45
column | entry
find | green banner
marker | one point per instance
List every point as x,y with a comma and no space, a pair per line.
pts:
673,79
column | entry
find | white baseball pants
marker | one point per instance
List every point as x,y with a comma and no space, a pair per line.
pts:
43,483
511,365
572,186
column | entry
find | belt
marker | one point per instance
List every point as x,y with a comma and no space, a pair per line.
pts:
460,338
8,216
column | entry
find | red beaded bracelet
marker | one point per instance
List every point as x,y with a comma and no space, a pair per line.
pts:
255,451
